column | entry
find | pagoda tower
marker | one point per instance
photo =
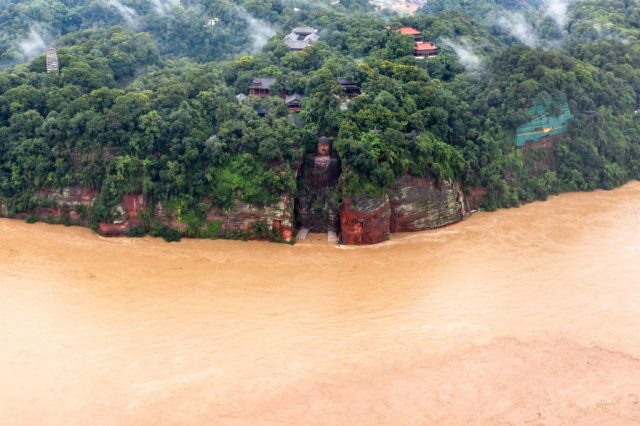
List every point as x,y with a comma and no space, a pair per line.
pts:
52,60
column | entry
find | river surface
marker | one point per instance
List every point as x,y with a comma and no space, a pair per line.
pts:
520,316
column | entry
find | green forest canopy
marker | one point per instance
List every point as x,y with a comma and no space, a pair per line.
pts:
145,98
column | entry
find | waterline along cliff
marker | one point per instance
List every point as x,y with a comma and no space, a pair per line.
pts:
410,204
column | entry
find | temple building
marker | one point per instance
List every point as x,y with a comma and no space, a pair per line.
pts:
410,31
300,38
262,111
52,60
425,49
261,86
294,101
349,87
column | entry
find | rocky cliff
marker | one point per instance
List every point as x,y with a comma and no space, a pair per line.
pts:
126,215
418,204
365,219
412,204
168,217
69,204
540,155
68,196
475,196
243,217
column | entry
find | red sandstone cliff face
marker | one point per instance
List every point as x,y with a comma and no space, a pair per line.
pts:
168,217
242,217
418,204
239,219
547,143
113,229
132,204
127,212
365,220
413,204
540,155
475,196
61,202
68,196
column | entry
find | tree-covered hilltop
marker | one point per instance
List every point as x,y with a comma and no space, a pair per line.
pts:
147,104
203,30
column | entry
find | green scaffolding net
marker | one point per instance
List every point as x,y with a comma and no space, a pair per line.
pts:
547,119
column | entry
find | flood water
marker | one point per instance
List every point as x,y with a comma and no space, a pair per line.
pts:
522,316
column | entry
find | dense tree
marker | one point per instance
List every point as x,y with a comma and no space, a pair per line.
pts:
149,105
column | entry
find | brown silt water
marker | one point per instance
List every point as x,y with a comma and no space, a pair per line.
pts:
520,316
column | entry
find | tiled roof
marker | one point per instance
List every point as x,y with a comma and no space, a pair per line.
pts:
295,97
345,81
263,82
301,37
297,44
304,30
408,31
426,46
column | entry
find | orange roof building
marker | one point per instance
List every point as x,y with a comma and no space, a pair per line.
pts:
410,31
424,49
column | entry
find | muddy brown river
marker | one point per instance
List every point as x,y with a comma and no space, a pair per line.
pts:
521,316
